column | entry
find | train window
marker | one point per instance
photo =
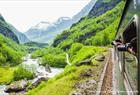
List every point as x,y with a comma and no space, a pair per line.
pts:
131,63
131,70
130,32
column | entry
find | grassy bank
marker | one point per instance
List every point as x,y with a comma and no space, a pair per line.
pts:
64,83
11,55
6,74
55,57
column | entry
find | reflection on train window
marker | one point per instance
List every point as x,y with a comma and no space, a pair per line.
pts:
131,68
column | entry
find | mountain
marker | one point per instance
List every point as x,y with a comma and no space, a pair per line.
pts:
102,6
93,28
21,37
10,51
35,44
63,23
10,31
1,18
84,12
45,32
6,31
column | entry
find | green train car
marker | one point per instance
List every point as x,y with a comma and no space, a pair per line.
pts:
126,60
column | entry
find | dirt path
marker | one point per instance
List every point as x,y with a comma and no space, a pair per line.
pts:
107,81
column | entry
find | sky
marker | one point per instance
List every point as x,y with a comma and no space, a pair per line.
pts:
25,14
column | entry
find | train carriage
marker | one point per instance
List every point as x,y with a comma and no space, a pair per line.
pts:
126,65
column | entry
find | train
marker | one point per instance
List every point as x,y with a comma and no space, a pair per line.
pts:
126,55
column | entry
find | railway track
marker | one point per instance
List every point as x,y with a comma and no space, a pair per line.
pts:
107,81
105,85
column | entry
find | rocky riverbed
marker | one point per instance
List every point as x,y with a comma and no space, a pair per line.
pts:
2,89
43,73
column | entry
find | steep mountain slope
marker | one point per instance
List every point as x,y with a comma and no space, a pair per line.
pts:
87,28
48,34
35,44
10,52
11,55
43,32
1,18
10,31
6,31
63,23
102,6
84,12
21,37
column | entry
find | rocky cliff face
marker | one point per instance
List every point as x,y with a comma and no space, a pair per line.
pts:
8,33
84,12
21,37
11,32
102,6
1,18
63,23
5,30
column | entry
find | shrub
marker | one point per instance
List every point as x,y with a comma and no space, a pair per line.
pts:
55,57
10,56
74,48
58,61
10,52
23,73
2,59
38,53
87,52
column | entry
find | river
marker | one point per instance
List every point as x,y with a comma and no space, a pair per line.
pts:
34,65
2,88
40,71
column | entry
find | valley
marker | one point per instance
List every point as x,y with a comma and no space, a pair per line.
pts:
67,57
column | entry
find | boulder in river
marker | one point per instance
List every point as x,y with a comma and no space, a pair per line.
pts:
47,68
17,86
85,62
39,80
15,93
36,82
